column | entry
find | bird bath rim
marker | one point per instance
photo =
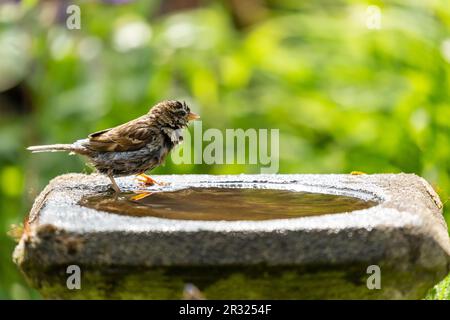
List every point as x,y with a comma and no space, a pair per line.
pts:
76,218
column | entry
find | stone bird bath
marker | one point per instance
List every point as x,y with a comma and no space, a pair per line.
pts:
315,256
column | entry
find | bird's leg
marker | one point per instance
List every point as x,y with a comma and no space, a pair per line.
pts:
147,180
114,184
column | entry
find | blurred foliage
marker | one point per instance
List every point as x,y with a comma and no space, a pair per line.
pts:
345,97
441,291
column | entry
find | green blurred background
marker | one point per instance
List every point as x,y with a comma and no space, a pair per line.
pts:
347,90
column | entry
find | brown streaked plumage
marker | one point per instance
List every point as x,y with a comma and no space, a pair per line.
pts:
133,147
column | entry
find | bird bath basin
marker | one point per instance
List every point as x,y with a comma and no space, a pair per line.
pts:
237,236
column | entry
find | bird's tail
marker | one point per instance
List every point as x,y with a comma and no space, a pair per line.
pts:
51,148
72,148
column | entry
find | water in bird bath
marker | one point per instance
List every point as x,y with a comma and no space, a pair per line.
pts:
225,204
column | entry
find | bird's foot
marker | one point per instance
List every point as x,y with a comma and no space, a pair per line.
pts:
149,181
141,194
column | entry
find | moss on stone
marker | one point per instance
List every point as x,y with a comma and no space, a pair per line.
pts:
226,282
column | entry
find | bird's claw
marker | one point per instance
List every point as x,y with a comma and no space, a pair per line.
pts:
149,181
146,180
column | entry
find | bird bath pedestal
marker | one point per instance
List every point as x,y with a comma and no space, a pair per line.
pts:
396,249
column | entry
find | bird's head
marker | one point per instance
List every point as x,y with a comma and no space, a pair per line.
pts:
172,113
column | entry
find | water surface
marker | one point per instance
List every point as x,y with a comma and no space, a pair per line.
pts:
225,204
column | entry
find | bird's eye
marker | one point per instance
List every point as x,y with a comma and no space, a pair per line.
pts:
181,112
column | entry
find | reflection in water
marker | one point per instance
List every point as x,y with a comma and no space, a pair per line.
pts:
225,204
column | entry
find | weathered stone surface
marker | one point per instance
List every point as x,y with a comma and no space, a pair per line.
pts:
309,257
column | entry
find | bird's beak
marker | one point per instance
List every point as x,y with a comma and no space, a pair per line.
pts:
193,116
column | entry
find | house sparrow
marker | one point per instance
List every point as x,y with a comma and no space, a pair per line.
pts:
133,147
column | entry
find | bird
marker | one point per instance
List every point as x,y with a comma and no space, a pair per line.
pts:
134,147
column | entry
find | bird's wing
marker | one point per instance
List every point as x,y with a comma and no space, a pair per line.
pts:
130,136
